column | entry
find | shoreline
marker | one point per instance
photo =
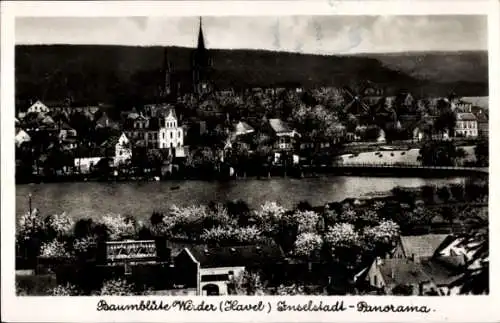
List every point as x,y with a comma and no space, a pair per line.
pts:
354,171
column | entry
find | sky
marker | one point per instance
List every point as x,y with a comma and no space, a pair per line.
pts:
306,34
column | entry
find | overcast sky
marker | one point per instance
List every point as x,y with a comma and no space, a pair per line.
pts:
308,34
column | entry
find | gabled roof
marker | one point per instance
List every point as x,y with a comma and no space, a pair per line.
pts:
242,128
440,272
281,128
466,116
236,256
422,245
402,271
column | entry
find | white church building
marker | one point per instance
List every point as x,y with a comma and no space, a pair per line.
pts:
171,135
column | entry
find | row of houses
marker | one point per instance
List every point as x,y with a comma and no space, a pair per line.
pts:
419,265
432,264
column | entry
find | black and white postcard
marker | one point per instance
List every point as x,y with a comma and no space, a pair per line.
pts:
327,160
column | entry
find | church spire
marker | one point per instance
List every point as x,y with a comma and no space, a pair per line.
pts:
201,39
167,70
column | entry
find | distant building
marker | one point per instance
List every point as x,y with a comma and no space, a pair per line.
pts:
461,106
242,128
122,149
418,247
21,137
201,65
66,131
477,101
482,122
106,122
143,130
406,277
85,164
38,107
285,136
466,125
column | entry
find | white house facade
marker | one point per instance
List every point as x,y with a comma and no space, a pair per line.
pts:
171,135
123,150
466,125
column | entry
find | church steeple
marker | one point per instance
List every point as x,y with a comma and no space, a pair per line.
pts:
167,74
201,39
201,64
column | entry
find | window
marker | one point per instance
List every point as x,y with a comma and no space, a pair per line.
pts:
171,135
163,135
375,281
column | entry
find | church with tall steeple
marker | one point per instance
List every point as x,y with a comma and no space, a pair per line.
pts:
201,65
177,81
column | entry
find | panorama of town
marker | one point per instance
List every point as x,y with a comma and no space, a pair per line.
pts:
425,240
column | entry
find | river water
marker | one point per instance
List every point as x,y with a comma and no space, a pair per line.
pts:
140,199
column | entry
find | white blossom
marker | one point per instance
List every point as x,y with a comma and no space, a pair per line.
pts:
307,220
118,226
53,249
64,290
385,232
307,243
29,224
116,287
62,224
342,235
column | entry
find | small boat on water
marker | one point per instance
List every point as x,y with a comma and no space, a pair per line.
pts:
175,188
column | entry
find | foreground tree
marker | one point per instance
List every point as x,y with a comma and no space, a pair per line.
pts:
247,283
344,242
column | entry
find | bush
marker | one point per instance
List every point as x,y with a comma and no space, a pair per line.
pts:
63,290
116,287
54,249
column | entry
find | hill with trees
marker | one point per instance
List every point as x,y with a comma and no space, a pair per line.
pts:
107,73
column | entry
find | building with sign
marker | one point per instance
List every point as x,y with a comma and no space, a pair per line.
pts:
211,269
